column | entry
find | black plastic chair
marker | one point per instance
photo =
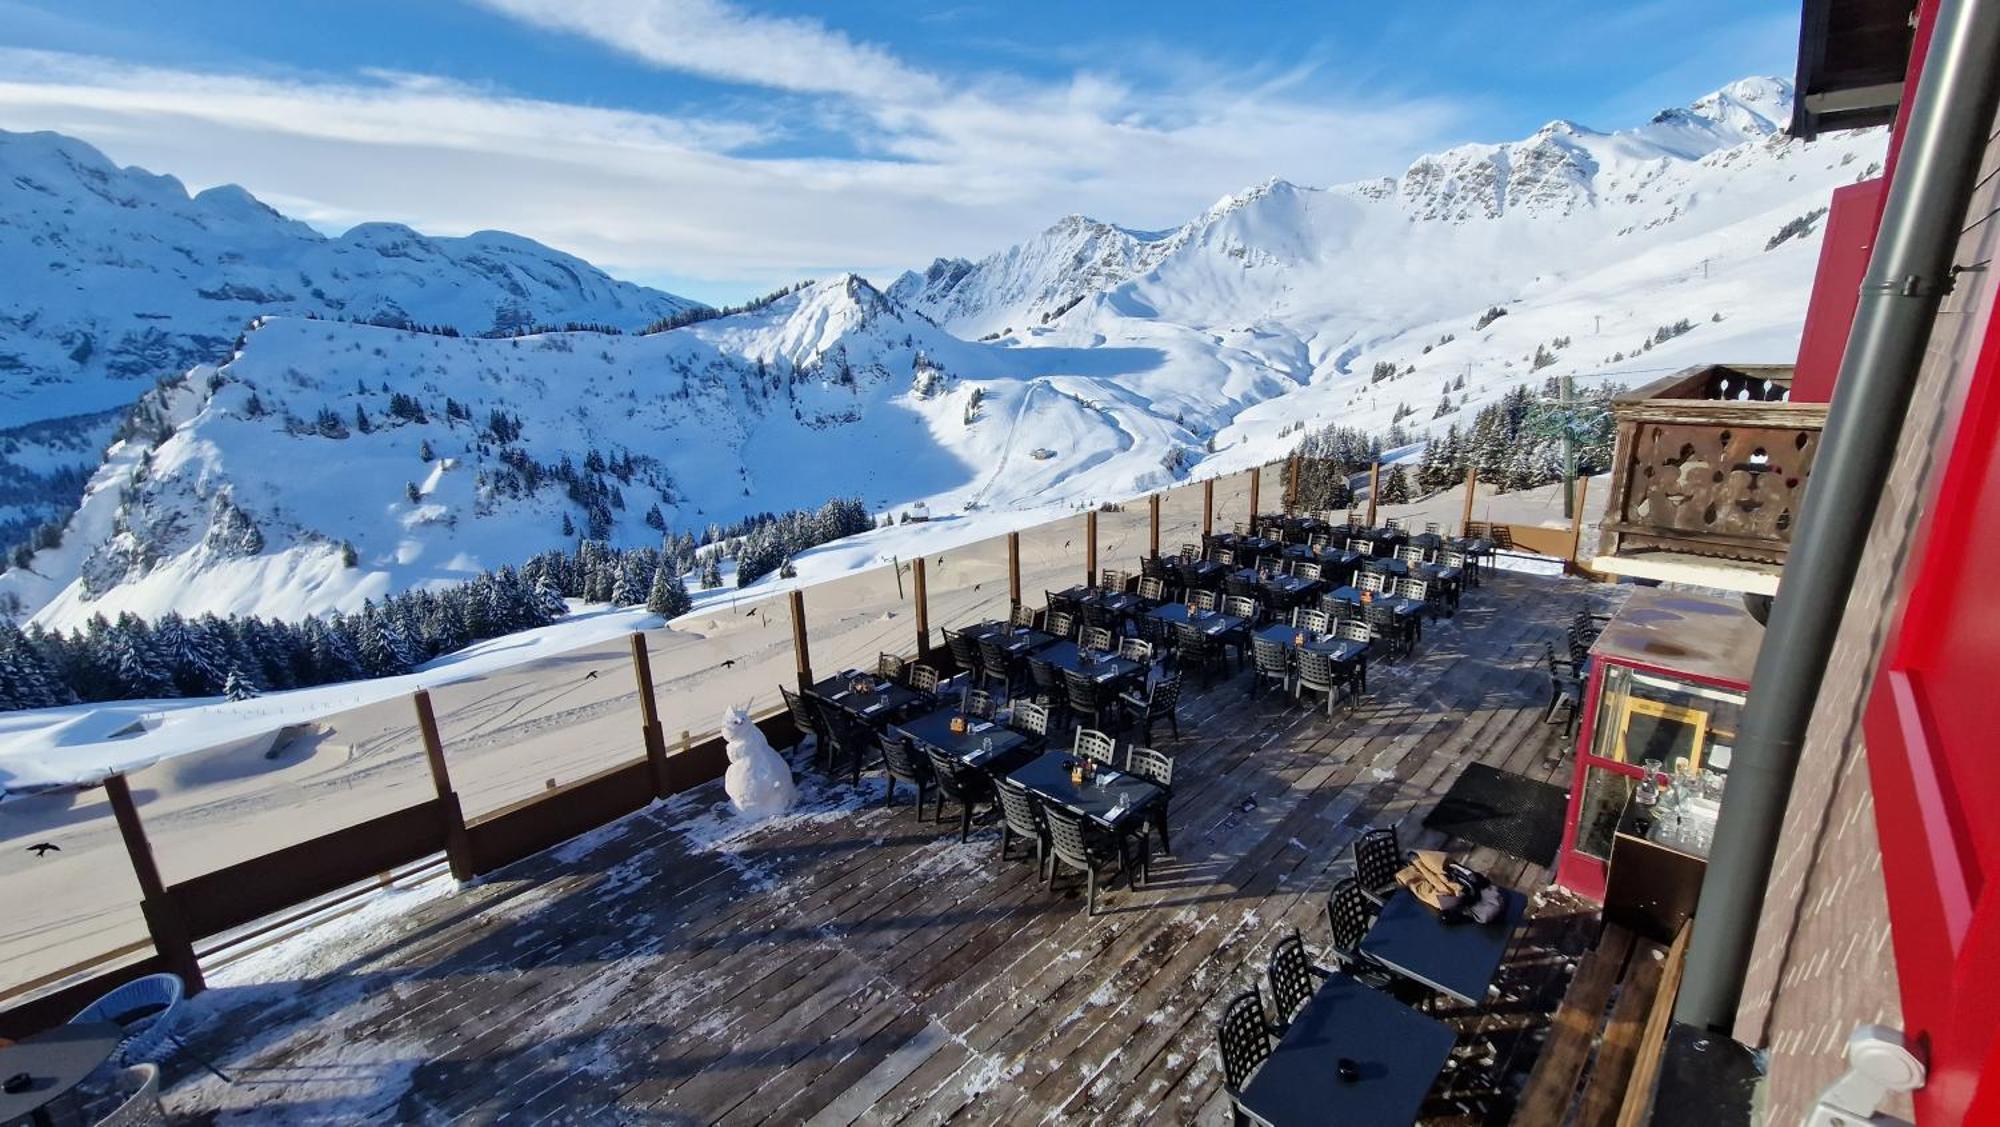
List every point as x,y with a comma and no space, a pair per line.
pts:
1086,698
900,761
1243,1035
1377,858
924,680
998,665
1292,975
1319,674
1096,745
1198,649
1048,682
1033,721
1084,848
805,717
1270,664
980,704
890,667
1021,816
1157,767
1349,914
967,786
965,652
1158,704
1565,689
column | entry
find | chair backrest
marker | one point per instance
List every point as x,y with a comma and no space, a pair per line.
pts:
1291,977
1066,838
156,996
1348,914
1062,623
1030,718
902,759
1410,587
1165,695
1355,630
1190,553
1021,809
963,650
1395,523
1093,744
1236,606
1270,657
1306,569
803,716
1192,643
1318,541
1369,581
1055,600
923,678
1136,649
951,774
1022,615
1244,1036
1225,556
1153,588
1361,544
1315,668
1082,691
1240,528
141,1106
1111,579
980,703
1451,557
1234,584
1410,554
1202,600
1478,530
1149,764
1306,618
1096,638
889,667
1377,856
993,656
1045,676
1431,526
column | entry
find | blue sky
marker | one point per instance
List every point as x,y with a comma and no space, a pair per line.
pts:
719,148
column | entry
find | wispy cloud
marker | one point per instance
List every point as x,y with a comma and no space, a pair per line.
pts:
930,164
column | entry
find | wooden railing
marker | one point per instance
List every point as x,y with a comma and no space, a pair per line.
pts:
1711,461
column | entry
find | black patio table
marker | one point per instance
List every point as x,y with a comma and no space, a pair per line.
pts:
1198,573
1456,959
1015,640
1110,798
885,700
985,744
1117,602
1341,650
1281,590
1397,603
54,1061
1213,623
1396,1054
1387,565
1068,656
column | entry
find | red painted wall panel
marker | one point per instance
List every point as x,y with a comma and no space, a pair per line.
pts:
1852,219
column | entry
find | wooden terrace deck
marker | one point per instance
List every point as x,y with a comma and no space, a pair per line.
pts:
851,964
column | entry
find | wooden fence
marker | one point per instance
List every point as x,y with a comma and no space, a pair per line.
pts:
180,916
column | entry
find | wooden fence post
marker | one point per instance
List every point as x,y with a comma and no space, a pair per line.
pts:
923,610
1471,488
1207,507
1256,482
1582,488
1090,548
800,655
649,715
1374,489
1014,567
457,843
1153,507
163,915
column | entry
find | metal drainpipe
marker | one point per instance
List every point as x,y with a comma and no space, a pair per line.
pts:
1908,275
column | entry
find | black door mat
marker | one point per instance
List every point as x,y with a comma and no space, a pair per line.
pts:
1512,813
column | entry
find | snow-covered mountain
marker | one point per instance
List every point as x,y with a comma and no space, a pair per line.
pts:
1092,362
116,277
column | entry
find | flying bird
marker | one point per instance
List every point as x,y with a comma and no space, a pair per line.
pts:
44,848
590,675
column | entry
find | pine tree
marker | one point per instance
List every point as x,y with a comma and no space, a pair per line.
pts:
410,489
238,686
1396,490
424,450
711,572
669,596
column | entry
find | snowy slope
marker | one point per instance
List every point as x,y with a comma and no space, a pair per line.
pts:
116,277
1131,360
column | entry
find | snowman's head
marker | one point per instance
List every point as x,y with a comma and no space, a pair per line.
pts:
736,724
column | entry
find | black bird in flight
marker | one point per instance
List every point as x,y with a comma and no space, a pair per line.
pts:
44,848
590,675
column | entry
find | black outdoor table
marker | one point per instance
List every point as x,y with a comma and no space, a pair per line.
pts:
982,744
887,699
1213,623
1198,573
1395,602
1387,565
1068,656
55,1062
1281,590
1111,798
1455,959
1015,640
1340,649
1397,1053
1117,602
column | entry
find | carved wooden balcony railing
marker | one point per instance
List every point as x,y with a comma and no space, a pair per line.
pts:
1712,462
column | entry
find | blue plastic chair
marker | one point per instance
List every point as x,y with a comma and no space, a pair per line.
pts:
147,1008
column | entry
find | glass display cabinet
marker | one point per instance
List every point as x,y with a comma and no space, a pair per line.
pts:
1662,704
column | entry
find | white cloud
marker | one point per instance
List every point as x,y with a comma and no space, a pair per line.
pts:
958,167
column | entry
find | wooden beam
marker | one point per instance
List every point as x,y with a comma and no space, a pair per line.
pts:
1471,489
457,844
1014,567
1582,487
1653,1041
1292,484
163,916
801,655
1153,513
649,716
923,610
1090,548
1207,507
1374,489
1256,483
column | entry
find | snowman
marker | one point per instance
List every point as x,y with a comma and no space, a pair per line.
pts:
759,781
